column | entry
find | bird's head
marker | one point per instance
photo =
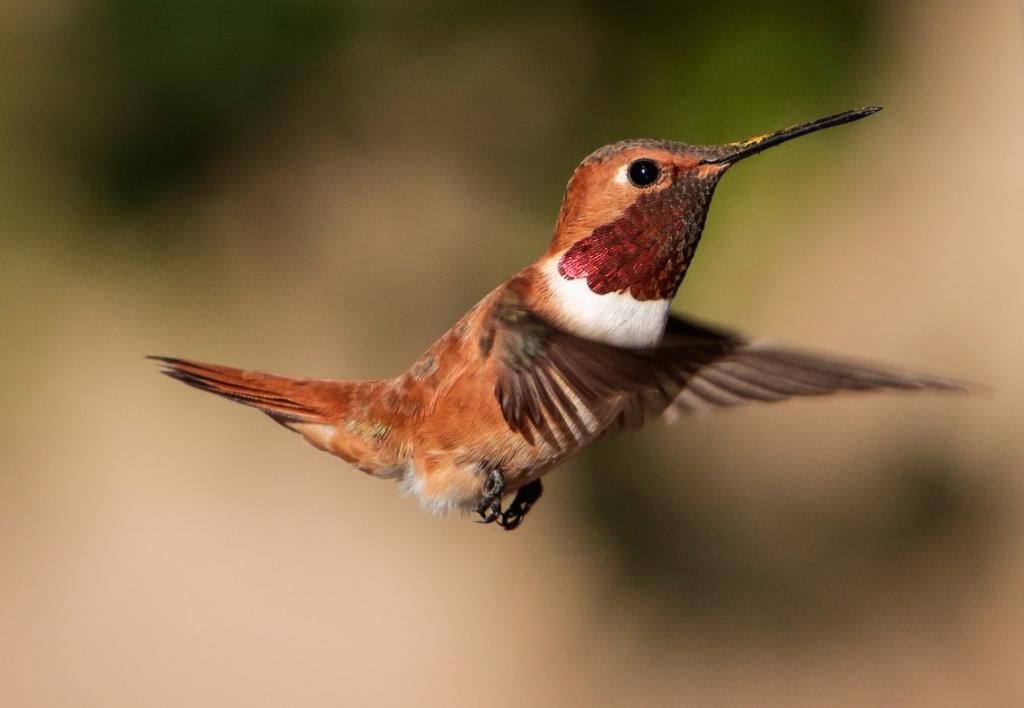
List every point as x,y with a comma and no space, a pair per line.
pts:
633,211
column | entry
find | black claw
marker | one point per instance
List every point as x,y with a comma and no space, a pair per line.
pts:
510,520
525,498
489,510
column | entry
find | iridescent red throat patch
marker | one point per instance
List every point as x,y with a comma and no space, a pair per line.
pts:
649,247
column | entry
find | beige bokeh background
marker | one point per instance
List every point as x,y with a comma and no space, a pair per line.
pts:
162,548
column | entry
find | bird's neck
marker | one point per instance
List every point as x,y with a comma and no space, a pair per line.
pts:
613,317
611,277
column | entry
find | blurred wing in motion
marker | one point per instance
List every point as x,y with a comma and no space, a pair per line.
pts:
564,389
715,369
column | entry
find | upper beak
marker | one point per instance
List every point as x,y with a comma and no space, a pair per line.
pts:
738,151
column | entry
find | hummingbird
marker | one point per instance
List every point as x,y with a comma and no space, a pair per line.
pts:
577,344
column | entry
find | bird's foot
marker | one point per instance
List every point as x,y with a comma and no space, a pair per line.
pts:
489,507
525,498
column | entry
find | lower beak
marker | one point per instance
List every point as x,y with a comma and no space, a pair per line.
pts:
737,151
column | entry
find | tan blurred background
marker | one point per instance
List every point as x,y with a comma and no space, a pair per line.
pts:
322,188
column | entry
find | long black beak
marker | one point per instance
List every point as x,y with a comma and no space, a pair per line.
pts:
753,146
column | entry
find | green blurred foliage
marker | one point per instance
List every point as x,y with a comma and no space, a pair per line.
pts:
715,69
175,84
180,81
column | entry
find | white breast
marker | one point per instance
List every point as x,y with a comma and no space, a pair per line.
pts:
615,318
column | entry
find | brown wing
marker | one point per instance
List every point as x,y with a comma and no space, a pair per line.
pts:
554,385
713,368
564,389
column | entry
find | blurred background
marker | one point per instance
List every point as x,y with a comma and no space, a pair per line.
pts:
321,188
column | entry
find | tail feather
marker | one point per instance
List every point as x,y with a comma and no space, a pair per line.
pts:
284,399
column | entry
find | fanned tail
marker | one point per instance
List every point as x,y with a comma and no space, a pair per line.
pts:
284,399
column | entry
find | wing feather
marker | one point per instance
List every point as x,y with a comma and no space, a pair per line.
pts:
563,389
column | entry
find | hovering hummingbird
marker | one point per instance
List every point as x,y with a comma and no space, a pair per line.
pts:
579,343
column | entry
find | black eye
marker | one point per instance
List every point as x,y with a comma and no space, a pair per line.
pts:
643,173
